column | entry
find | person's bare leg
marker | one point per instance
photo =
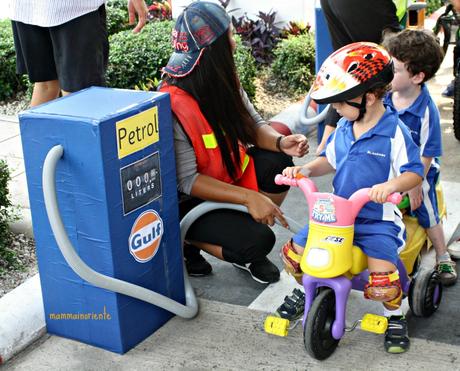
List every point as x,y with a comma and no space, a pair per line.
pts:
64,93
379,265
214,250
44,92
328,130
436,236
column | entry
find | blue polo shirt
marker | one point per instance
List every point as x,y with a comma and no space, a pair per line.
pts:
423,120
381,154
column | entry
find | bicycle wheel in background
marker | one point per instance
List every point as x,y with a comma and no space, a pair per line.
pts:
457,106
442,30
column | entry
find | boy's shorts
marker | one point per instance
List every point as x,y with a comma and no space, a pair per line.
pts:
75,53
428,213
378,239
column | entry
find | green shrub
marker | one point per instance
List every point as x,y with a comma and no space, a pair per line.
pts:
10,83
433,5
117,16
295,62
7,256
136,58
246,67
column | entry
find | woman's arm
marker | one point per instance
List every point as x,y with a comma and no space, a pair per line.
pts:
267,137
292,145
190,182
260,207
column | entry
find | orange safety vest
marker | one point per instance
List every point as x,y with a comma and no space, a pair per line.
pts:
207,151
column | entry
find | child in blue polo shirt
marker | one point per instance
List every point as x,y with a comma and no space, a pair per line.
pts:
417,56
371,148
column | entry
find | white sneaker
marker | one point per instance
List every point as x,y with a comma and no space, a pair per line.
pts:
454,249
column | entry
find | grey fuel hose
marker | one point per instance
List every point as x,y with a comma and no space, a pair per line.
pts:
303,115
189,310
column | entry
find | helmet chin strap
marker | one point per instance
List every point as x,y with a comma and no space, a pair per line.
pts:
361,106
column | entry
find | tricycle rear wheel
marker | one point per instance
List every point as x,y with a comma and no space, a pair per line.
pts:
425,293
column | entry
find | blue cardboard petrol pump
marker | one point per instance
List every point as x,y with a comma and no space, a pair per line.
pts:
116,191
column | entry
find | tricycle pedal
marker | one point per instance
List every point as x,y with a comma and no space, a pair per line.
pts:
374,323
276,326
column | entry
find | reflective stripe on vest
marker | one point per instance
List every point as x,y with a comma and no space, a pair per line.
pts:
245,163
210,141
401,8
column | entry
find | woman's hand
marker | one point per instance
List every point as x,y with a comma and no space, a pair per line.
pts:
263,210
294,145
379,193
415,197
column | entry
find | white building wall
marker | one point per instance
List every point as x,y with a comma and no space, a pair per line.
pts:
287,10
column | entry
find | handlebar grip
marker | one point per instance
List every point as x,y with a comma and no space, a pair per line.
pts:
284,180
395,198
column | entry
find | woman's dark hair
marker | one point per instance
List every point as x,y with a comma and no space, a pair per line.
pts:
215,86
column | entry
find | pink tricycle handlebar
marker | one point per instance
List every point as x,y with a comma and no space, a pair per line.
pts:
395,198
357,199
305,184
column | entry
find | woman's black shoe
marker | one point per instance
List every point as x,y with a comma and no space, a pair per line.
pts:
195,263
263,271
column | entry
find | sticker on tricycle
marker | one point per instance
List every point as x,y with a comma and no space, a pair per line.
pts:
324,211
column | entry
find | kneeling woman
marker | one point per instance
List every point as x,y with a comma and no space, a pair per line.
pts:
225,152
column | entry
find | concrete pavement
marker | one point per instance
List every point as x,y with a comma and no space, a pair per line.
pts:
231,337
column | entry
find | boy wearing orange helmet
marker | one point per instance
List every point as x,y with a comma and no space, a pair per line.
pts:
371,148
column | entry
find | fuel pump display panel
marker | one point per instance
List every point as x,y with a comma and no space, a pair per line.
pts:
140,182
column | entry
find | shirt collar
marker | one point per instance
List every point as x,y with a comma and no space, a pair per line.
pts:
418,107
383,127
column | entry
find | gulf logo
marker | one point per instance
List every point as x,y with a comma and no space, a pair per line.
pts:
145,237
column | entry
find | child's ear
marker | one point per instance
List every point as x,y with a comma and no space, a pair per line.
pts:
418,78
370,99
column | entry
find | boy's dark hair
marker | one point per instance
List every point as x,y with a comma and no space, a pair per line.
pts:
380,91
215,85
417,49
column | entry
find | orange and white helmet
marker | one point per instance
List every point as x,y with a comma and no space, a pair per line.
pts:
352,71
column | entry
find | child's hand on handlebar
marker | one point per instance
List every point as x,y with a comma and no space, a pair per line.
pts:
379,193
292,171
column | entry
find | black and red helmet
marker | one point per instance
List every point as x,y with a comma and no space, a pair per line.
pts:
352,71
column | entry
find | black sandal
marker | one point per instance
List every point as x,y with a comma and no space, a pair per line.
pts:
396,338
293,306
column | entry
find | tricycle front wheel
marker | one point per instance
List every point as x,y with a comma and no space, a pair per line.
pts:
317,335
